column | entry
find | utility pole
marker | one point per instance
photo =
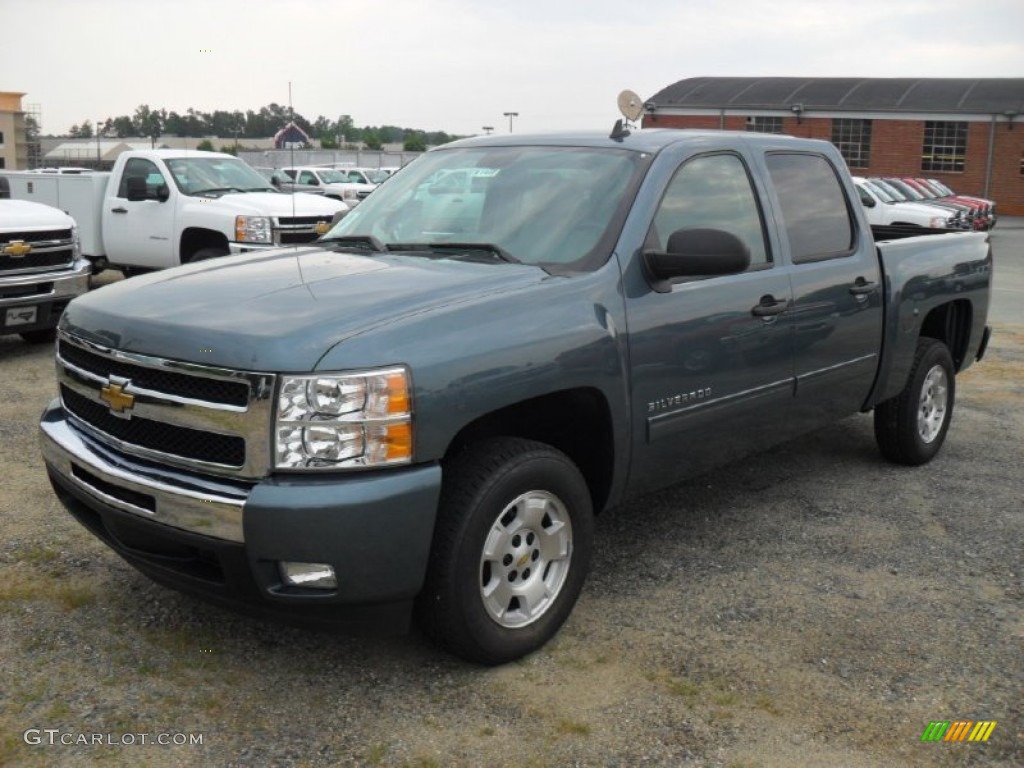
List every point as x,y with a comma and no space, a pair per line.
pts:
510,116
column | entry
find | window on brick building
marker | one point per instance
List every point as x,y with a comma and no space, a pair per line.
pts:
1022,163
764,124
945,146
853,139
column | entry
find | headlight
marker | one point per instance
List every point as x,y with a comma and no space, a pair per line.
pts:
76,247
349,194
343,421
252,229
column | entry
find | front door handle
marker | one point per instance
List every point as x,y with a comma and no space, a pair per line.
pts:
862,287
119,210
769,306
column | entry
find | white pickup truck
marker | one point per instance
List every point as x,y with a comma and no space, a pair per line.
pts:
160,208
41,268
883,210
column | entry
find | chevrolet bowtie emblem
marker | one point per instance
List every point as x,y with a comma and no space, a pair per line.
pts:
17,249
321,227
113,394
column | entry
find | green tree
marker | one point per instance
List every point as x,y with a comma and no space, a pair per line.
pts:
372,140
414,142
205,146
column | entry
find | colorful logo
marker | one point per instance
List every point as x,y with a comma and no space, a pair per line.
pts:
958,730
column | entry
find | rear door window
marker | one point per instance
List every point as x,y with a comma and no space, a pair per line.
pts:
814,207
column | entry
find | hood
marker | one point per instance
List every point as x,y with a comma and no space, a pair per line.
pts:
921,209
278,310
24,215
276,204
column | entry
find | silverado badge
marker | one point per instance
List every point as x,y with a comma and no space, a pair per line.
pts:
17,249
114,395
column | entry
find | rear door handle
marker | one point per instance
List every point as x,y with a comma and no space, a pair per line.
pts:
862,287
769,306
119,210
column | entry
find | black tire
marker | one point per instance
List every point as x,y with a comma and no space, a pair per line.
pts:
45,336
911,427
208,253
525,501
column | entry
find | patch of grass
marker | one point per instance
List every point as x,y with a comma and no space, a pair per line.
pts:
572,728
726,699
375,755
487,731
685,688
38,555
424,762
765,704
70,596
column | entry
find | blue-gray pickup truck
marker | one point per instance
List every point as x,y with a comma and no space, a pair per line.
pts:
419,416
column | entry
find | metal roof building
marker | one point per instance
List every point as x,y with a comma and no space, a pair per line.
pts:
961,130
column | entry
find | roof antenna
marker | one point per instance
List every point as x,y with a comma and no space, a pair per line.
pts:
631,106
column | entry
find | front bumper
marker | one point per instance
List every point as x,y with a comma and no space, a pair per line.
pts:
48,292
223,541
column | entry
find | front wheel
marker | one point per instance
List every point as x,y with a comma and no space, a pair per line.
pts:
208,253
510,553
911,427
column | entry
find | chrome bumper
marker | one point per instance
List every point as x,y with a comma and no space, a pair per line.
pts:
63,284
198,505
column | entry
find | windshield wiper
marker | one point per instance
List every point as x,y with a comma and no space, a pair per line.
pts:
362,242
458,248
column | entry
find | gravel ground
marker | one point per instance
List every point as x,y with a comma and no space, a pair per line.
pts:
812,606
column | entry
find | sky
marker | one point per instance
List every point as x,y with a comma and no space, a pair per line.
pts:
459,65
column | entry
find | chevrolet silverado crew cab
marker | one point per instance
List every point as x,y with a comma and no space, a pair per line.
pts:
41,268
420,415
161,208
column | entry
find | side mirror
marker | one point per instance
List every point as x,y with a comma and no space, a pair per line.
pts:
135,187
695,253
275,181
868,201
163,193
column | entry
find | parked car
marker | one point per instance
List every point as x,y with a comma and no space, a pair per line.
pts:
282,181
982,217
903,193
41,267
370,176
944,189
882,209
334,183
972,213
160,208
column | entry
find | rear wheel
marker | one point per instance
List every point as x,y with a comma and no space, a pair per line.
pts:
911,427
510,552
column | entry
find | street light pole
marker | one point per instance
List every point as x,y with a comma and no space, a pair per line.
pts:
510,115
488,129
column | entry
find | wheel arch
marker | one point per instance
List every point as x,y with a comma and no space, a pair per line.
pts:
195,239
951,324
577,422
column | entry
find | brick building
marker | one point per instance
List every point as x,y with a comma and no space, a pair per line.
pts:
969,132
13,140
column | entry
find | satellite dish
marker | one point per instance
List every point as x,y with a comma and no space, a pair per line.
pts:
630,105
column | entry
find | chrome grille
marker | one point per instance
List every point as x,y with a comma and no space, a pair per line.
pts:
298,230
198,417
50,248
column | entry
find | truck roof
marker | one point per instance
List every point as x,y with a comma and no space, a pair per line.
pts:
640,140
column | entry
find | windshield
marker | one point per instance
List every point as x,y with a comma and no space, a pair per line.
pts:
546,206
330,176
377,177
199,175
880,191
